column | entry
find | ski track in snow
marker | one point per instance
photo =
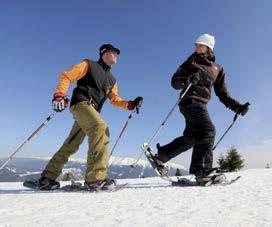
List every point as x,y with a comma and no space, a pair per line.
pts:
148,202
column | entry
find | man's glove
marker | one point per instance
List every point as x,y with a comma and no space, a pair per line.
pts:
136,103
59,102
242,109
193,78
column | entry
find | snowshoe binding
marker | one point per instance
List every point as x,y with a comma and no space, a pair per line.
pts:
208,177
107,184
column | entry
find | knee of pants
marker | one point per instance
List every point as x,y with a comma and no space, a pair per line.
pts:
211,132
101,127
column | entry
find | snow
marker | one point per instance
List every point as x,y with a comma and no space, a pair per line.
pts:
147,202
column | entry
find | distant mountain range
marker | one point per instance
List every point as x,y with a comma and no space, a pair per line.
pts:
21,169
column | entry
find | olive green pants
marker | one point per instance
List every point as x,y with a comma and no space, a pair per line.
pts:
87,122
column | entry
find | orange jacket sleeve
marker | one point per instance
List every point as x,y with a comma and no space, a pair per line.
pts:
73,74
115,99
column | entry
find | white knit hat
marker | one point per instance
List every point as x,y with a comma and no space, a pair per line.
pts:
207,40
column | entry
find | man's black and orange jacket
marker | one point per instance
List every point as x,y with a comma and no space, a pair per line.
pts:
95,83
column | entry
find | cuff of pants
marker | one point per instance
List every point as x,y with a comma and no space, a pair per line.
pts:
97,175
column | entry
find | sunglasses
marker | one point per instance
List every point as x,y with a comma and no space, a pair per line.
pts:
113,51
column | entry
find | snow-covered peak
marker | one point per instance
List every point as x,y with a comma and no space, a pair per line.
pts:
20,169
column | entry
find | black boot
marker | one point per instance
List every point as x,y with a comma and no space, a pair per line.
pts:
161,156
159,162
158,152
42,184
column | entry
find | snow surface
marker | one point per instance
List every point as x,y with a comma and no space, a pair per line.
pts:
147,202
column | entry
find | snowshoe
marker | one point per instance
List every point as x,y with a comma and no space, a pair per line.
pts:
158,165
109,184
184,182
217,179
208,177
42,184
106,184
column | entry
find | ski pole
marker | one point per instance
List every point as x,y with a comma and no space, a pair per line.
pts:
122,131
234,119
169,114
221,138
27,140
183,93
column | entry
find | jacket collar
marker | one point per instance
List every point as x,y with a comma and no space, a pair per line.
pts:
203,58
104,65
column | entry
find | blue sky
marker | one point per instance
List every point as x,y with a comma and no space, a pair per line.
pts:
40,39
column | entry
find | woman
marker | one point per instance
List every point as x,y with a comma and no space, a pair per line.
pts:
201,70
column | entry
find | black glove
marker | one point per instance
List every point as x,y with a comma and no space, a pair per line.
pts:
136,103
242,109
193,78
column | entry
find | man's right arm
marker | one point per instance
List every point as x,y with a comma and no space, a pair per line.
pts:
60,101
73,74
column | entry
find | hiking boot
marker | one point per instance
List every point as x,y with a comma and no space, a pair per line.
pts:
42,184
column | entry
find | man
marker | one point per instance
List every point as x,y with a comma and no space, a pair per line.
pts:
95,83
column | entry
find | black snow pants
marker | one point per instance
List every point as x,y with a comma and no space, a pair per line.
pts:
199,134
